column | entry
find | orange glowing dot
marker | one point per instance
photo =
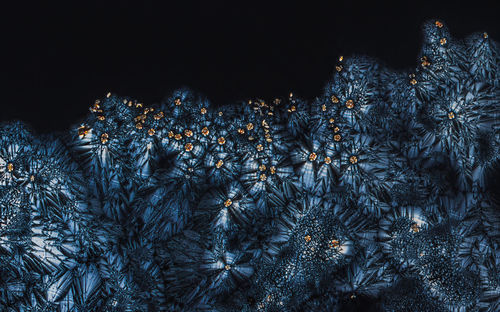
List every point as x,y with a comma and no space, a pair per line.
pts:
203,111
219,163
241,131
260,147
227,267
104,138
307,238
341,58
159,116
425,61
442,41
334,243
151,131
170,134
415,228
349,104
312,156
262,167
338,68
228,202
439,24
272,169
177,102
451,115
353,159
337,137
188,133
205,131
83,130
328,160
188,147
413,81
32,178
485,35
292,109
323,107
336,129
138,126
101,117
108,95
10,167
178,136
263,177
335,100
331,120
221,140
250,126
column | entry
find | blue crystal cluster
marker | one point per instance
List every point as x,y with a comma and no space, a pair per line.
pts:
380,189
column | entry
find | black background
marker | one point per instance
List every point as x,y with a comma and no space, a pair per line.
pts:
59,58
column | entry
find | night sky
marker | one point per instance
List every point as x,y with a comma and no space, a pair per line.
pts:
59,58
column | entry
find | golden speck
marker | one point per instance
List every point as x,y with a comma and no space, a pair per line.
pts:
425,61
328,160
138,125
108,95
415,228
250,126
220,113
188,133
221,141
250,138
263,177
334,243
337,137
291,94
307,238
10,167
241,131
203,110
349,104
353,159
170,134
336,129
32,178
129,104
451,115
159,116
190,169
338,68
439,24
104,138
219,163
178,136
413,81
323,107
151,131
485,35
260,147
177,102
341,58
292,109
227,267
272,169
335,99
82,131
332,120
262,167
138,105
205,131
188,147
442,41
312,156
228,202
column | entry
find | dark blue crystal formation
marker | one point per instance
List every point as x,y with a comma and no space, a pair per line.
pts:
378,190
